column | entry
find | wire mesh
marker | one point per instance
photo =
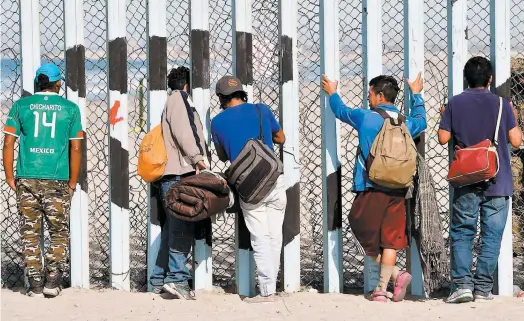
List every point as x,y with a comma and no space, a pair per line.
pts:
352,91
95,32
435,94
266,89
52,34
137,109
311,234
517,159
266,70
11,84
393,61
220,26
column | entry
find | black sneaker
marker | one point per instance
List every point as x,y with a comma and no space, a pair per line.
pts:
36,286
53,284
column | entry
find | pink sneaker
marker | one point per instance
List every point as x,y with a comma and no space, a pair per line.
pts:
401,284
379,296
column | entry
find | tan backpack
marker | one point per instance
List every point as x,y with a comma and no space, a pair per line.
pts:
392,160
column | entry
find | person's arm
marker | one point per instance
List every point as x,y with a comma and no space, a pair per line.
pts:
12,131
351,116
444,131
76,135
417,122
279,137
514,134
75,162
9,156
277,133
183,127
417,115
221,153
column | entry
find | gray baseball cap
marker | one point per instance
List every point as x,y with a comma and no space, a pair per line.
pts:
228,85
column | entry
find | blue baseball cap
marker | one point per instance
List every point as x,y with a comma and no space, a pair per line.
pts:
50,70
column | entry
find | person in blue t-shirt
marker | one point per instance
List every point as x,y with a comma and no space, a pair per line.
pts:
471,117
378,214
231,130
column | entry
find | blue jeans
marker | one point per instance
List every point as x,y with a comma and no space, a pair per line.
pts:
467,203
176,240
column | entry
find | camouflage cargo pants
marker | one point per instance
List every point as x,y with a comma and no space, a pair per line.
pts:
518,203
48,199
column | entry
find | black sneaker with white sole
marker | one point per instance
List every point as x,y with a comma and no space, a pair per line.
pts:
53,284
36,287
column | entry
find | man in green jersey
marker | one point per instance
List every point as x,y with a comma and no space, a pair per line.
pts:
47,171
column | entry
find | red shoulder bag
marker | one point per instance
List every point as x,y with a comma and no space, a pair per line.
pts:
477,163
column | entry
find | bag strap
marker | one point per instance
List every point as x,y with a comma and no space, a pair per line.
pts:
496,138
386,116
260,121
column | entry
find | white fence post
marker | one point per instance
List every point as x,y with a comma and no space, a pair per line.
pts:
157,95
76,92
202,262
289,106
30,43
118,144
30,52
414,63
331,166
372,47
243,70
501,59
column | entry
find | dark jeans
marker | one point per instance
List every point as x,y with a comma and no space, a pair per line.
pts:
176,240
467,204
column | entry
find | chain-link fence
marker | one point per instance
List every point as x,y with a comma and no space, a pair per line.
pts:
266,46
11,88
97,132
436,94
311,235
517,159
221,53
352,92
137,109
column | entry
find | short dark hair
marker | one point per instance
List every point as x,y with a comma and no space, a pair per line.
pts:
386,85
477,72
224,99
178,78
43,83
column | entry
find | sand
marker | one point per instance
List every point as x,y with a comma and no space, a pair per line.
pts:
75,304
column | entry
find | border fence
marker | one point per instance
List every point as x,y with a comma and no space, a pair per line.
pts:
279,49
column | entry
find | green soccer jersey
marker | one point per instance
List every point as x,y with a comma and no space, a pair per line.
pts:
45,122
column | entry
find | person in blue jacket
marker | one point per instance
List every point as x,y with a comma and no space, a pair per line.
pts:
378,214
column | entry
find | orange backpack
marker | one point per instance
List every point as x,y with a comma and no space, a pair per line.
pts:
152,156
